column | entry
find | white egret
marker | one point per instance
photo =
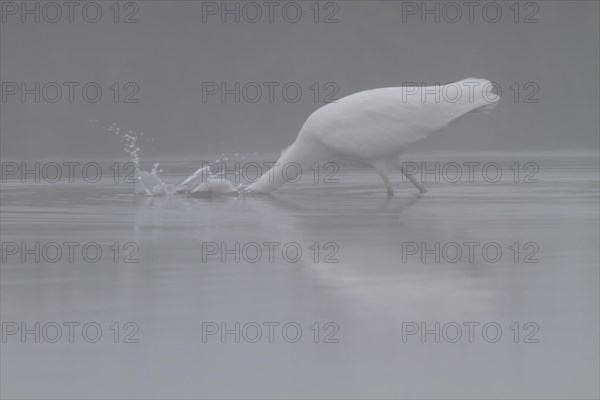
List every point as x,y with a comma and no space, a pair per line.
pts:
375,126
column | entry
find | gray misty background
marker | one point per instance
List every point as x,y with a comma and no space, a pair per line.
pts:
170,52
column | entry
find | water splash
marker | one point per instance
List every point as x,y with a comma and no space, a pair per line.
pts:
130,139
205,181
147,183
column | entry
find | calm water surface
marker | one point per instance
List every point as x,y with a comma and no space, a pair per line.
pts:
376,285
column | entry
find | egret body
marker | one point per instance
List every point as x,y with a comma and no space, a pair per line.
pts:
374,127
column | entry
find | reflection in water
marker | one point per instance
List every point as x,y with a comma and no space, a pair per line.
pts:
378,282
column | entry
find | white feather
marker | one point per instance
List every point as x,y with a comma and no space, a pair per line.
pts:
373,127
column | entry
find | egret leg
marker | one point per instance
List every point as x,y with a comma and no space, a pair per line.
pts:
415,182
382,171
411,178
